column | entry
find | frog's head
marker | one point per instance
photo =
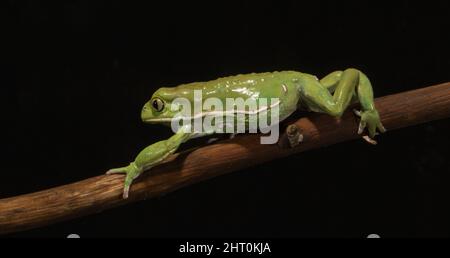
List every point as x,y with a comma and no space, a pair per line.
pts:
160,109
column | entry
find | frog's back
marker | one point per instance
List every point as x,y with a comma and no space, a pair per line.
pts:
240,86
269,90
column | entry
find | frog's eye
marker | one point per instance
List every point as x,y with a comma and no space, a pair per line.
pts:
158,104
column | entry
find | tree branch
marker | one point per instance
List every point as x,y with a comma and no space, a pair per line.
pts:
103,192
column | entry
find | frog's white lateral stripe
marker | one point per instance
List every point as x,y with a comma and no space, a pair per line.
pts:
218,113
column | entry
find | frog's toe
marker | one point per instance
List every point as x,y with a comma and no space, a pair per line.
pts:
362,126
122,170
381,128
132,172
369,140
370,121
128,181
126,190
357,112
362,122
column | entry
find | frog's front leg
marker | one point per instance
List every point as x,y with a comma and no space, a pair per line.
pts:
345,86
151,156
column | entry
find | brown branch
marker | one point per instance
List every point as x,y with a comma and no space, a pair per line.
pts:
102,192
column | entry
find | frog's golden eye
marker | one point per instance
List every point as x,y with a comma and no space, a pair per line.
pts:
158,104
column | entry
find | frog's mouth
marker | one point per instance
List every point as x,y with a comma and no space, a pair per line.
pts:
157,120
150,116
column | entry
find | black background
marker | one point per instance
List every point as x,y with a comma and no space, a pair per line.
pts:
76,74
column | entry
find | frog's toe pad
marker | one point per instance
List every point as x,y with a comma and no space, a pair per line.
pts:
369,140
126,190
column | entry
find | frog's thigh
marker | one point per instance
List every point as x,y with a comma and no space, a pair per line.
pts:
331,80
318,98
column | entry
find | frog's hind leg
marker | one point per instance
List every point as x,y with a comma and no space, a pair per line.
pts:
334,93
331,80
319,98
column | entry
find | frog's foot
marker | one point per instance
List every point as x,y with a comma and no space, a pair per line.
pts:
131,171
371,120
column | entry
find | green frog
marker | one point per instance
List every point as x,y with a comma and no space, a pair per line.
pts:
292,90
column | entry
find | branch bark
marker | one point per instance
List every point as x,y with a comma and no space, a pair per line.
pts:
102,192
